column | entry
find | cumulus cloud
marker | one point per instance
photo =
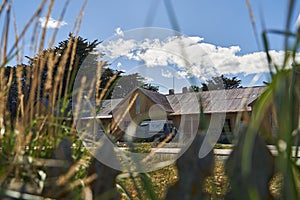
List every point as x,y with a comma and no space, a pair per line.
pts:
119,64
149,79
119,32
190,55
52,23
166,73
181,74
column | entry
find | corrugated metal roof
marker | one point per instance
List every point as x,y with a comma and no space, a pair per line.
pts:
215,101
187,103
107,106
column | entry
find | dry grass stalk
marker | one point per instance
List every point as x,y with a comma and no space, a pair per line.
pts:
33,130
3,5
27,25
64,178
5,31
98,83
81,182
119,118
59,20
160,145
108,85
42,41
73,54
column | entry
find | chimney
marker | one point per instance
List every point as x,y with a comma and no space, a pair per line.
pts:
171,92
184,90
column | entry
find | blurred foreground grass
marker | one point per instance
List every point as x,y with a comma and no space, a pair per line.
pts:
216,185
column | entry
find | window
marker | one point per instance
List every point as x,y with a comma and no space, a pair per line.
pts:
226,135
227,126
138,105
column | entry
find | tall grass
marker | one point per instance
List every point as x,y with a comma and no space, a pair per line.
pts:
39,151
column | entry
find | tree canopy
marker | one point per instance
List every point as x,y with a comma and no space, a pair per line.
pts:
63,60
220,83
195,88
127,83
56,68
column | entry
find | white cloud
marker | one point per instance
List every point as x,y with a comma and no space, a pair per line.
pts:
117,48
52,23
119,64
182,74
190,55
149,79
119,32
166,73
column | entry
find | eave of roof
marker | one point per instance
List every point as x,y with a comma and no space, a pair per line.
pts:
98,117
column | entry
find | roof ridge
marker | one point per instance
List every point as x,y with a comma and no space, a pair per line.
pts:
241,88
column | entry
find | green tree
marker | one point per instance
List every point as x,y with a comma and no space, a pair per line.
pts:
66,57
70,55
221,82
59,66
149,86
18,75
128,83
108,81
195,88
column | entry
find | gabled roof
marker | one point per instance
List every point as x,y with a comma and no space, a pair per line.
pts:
157,98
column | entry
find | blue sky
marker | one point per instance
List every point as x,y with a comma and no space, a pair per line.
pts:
217,23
